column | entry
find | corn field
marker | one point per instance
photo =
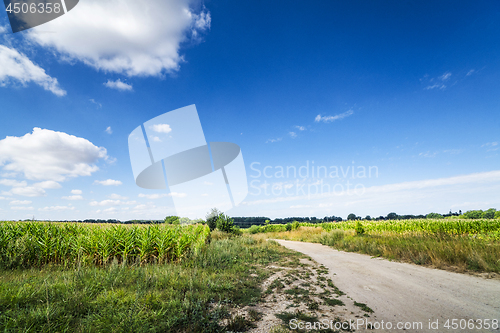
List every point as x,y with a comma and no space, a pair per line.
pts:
35,244
425,226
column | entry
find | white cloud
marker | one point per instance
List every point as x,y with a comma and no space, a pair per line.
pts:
76,191
99,105
437,85
55,208
108,182
118,85
492,146
156,139
12,183
274,140
117,197
21,208
300,128
293,135
126,36
18,68
469,73
207,183
161,128
20,202
111,203
50,155
48,184
329,119
162,195
445,76
28,191
109,130
73,197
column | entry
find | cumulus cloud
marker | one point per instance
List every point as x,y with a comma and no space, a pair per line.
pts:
162,195
73,197
108,182
300,128
111,203
329,119
50,155
28,191
12,183
126,36
118,85
48,184
21,208
117,197
76,191
20,202
161,128
293,135
55,208
17,68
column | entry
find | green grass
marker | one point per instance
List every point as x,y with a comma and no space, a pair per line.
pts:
193,295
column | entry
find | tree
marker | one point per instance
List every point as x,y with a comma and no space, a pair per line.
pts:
172,220
497,214
489,214
212,217
368,218
473,214
392,216
434,216
351,217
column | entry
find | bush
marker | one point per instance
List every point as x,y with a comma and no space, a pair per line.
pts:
295,225
359,228
497,214
255,229
288,227
225,223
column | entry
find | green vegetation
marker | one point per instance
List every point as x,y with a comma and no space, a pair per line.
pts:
36,244
172,220
457,244
195,294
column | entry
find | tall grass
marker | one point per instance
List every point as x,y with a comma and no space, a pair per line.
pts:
35,244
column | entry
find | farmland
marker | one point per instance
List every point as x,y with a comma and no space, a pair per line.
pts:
459,245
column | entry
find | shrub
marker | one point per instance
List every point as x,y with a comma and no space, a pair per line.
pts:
359,228
295,225
225,223
434,216
497,214
288,227
254,229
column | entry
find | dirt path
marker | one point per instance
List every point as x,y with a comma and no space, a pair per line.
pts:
400,292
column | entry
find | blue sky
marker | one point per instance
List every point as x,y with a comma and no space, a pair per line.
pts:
409,87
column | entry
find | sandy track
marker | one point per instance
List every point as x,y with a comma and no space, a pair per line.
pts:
400,292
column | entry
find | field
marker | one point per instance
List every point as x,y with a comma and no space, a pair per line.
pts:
459,245
86,281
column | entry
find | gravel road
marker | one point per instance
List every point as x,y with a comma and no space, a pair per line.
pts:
401,293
